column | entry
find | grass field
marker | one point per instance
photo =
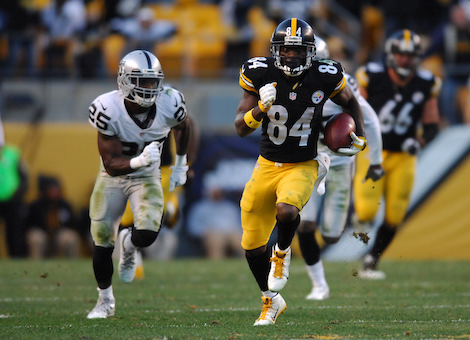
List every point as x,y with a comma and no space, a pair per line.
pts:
202,299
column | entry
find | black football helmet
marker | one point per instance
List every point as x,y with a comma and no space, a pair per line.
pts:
403,42
293,34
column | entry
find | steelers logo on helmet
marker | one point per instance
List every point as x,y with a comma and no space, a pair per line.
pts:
405,43
293,46
140,77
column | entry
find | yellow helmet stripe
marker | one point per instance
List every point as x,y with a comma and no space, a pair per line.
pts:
407,35
407,43
293,23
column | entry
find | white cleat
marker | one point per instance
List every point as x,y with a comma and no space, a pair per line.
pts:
319,293
127,259
272,307
371,274
104,308
369,269
279,272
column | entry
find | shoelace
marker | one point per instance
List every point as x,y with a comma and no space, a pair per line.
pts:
129,259
267,303
278,260
104,305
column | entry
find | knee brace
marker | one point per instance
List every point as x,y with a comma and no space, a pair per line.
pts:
143,238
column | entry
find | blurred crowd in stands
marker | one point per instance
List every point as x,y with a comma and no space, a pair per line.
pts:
85,39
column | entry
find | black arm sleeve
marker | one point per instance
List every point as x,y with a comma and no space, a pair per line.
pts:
430,131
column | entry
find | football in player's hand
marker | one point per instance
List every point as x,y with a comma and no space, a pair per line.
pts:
337,131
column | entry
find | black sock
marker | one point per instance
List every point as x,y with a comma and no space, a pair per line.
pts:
260,266
286,232
103,266
309,247
384,237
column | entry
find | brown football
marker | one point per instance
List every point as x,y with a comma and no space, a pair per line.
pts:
337,131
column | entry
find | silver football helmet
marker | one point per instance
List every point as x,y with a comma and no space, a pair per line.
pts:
140,77
322,49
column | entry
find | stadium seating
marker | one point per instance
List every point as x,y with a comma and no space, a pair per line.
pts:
112,48
198,49
262,29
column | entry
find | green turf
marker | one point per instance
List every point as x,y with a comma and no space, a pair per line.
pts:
202,299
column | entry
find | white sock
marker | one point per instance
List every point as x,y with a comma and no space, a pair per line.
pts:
317,274
269,294
107,293
279,249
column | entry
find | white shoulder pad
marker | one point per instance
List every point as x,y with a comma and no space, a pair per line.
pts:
352,83
172,104
104,111
425,74
375,67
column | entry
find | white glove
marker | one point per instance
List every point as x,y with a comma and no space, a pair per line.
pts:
151,154
267,96
178,172
323,167
411,145
358,144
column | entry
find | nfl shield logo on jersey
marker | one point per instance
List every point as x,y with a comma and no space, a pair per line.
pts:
292,96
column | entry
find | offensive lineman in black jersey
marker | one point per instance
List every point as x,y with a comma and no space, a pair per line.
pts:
404,98
285,95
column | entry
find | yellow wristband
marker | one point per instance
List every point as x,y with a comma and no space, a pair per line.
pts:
250,121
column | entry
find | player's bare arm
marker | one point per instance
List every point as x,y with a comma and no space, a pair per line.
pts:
182,134
348,101
110,149
247,103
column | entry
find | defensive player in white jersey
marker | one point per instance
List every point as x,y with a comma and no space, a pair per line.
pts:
330,211
132,123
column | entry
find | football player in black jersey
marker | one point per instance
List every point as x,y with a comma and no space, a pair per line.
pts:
285,94
405,99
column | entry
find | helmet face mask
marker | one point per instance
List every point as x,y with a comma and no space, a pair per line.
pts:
293,46
403,52
293,56
140,78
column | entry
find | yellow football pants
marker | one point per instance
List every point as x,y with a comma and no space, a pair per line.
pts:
272,183
395,187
